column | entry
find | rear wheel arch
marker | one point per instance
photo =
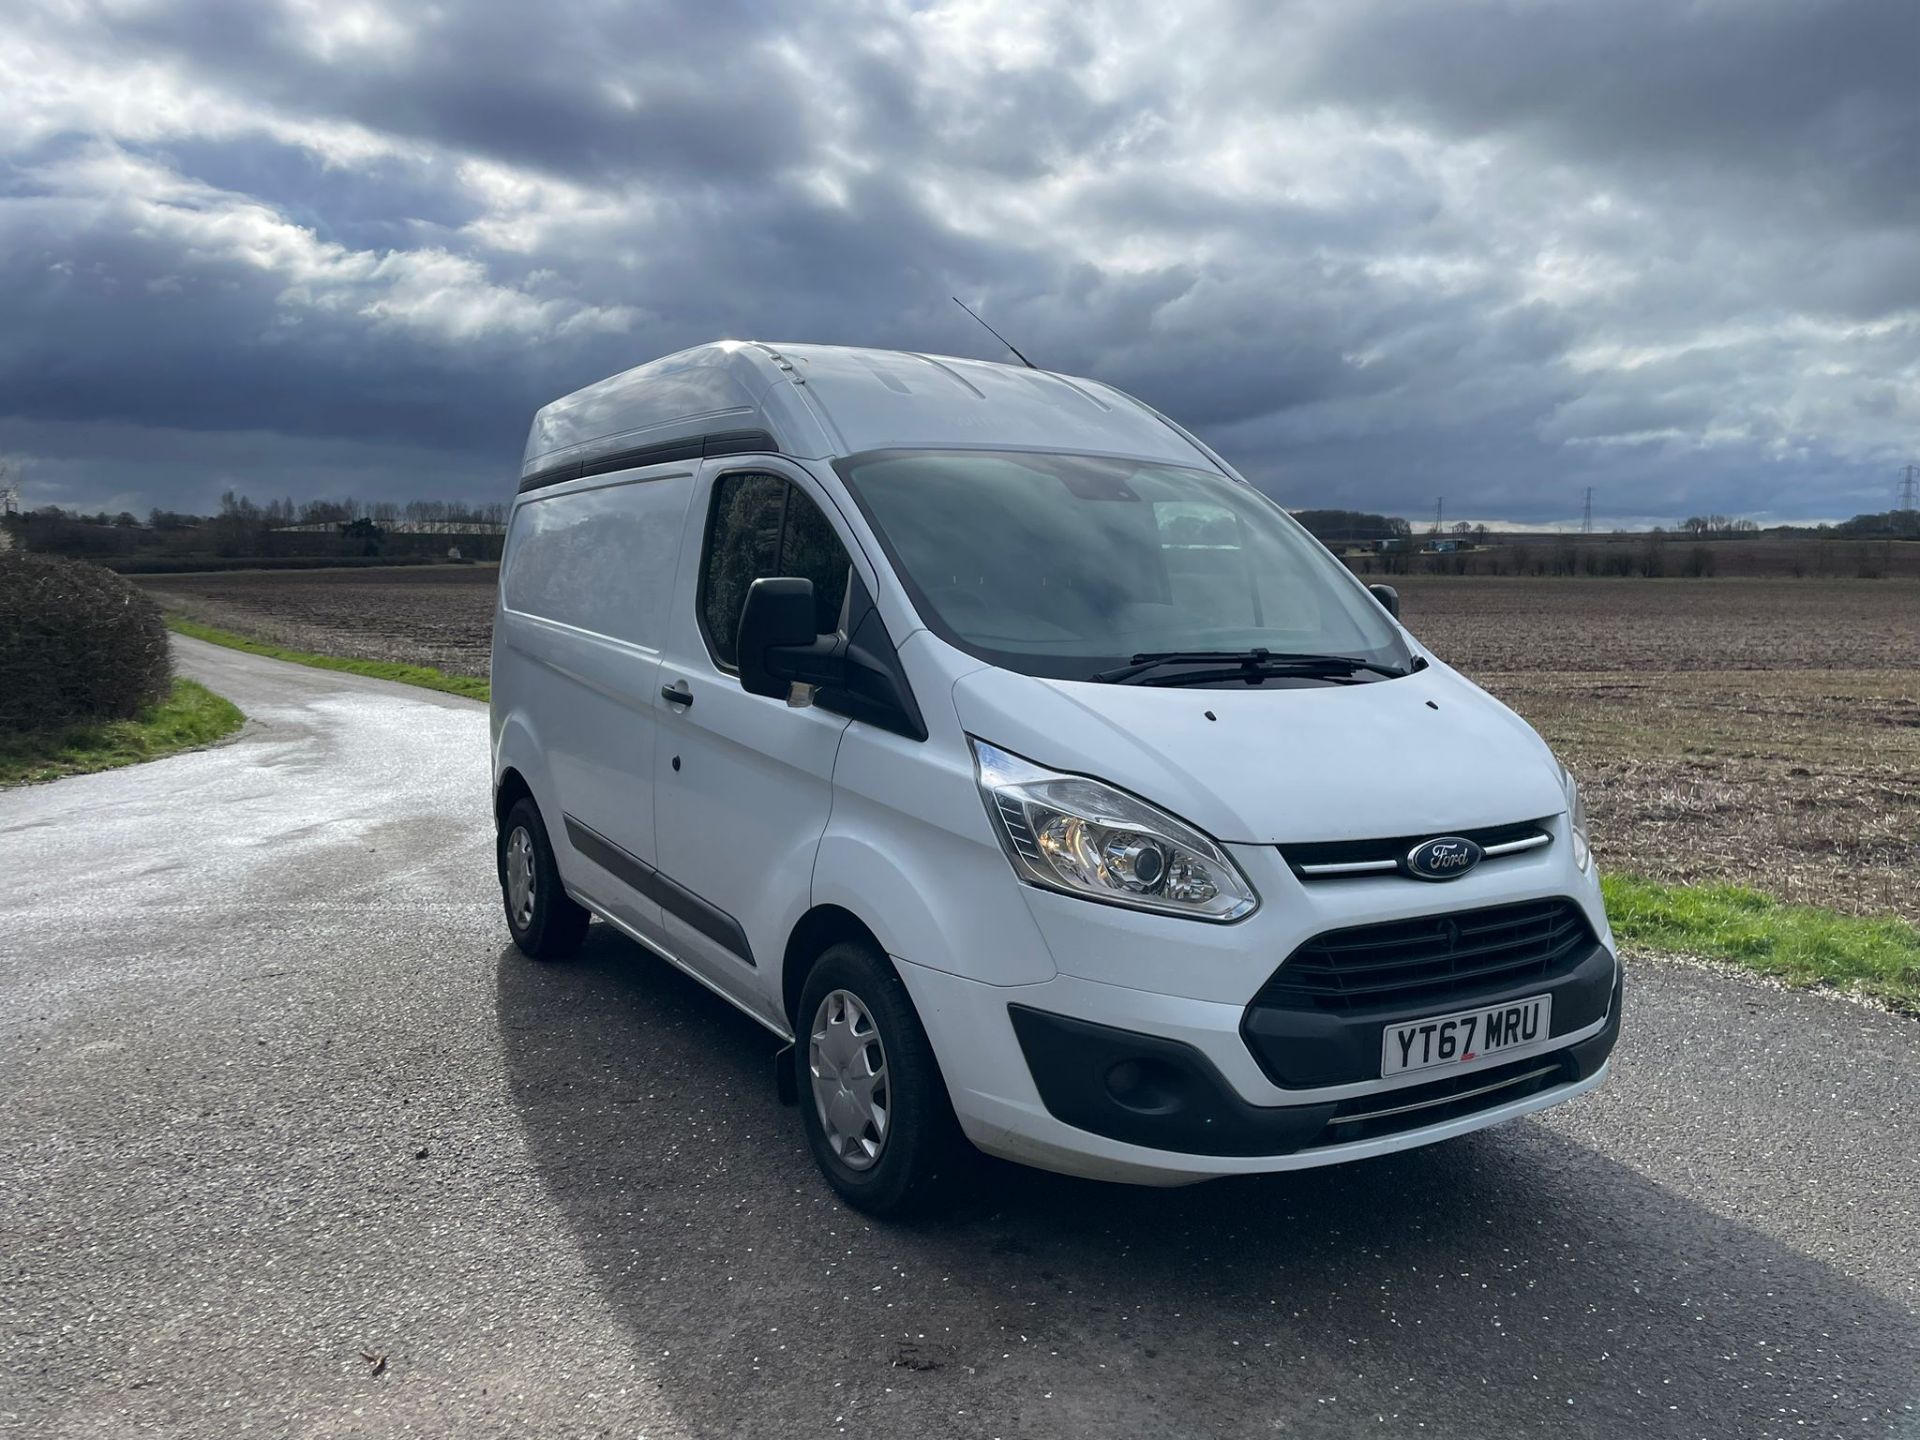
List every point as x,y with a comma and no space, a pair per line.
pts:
512,787
546,923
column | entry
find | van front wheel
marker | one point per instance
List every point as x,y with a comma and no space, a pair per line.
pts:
545,921
874,1106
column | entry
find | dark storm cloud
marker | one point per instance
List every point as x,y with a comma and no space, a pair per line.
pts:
1807,99
627,90
1376,251
113,319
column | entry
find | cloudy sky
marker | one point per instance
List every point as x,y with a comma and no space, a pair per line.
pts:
1374,250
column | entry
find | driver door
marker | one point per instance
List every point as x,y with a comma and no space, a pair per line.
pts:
744,783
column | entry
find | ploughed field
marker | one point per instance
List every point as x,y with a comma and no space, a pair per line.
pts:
1759,731
438,615
1762,732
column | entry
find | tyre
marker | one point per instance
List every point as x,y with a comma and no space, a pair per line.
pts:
871,1096
546,922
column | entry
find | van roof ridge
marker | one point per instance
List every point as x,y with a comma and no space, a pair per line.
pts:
839,400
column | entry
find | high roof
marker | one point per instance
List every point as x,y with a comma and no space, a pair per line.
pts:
824,401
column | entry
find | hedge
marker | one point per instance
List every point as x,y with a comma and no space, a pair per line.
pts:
77,643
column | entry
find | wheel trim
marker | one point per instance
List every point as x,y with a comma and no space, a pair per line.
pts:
521,889
848,1065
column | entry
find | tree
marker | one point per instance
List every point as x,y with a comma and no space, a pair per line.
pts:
1653,555
240,528
323,512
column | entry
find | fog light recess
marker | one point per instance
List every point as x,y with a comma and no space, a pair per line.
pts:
1151,1087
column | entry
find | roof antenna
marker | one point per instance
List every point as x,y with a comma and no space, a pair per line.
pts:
996,334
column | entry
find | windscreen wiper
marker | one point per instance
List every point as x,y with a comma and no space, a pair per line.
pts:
1234,664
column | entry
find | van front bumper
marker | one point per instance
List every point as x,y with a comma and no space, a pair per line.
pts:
1114,1083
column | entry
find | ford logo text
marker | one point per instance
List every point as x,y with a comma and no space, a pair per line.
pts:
1447,858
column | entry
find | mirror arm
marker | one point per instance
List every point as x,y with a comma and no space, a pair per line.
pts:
822,663
870,692
873,688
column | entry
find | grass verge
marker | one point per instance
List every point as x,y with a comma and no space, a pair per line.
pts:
1803,945
190,716
422,675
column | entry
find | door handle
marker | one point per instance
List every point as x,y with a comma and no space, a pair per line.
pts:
677,693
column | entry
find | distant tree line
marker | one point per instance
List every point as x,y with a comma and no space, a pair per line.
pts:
243,529
1891,525
1823,553
1888,525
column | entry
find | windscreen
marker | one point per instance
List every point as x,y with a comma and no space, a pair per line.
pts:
1066,565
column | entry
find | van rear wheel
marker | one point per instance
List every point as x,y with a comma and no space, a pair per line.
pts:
545,921
871,1096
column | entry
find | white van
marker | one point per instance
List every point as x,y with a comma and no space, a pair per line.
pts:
980,732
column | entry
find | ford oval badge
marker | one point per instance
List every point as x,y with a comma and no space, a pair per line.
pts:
1447,858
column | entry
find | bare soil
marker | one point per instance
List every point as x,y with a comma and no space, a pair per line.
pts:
1638,556
440,615
1801,783
1492,625
1756,732
1751,731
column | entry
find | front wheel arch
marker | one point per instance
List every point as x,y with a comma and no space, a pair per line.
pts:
815,933
924,1162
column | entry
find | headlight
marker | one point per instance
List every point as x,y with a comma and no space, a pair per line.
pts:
1066,832
1576,820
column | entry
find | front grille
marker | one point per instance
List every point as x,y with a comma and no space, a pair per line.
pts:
1468,1092
1404,963
1354,859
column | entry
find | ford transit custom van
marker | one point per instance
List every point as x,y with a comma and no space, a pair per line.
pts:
983,735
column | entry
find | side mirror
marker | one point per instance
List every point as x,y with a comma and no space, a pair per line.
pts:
778,644
1388,597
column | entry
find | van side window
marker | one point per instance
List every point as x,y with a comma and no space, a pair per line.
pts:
809,548
762,526
599,560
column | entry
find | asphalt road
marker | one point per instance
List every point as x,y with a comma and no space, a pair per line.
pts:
278,1093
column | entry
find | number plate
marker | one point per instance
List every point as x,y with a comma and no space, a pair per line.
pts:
1465,1036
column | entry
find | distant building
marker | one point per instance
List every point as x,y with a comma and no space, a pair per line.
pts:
395,527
